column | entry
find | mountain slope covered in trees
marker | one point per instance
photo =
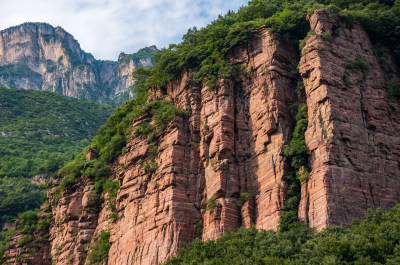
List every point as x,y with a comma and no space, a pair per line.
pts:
40,131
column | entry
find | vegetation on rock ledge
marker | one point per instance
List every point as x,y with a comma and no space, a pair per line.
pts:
113,136
99,250
297,153
29,223
205,52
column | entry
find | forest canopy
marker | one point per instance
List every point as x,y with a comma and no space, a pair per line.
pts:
40,131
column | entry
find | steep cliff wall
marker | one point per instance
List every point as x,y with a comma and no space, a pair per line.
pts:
40,57
222,167
353,131
230,145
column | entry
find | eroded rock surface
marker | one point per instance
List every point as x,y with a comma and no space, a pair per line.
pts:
353,131
40,57
231,148
231,144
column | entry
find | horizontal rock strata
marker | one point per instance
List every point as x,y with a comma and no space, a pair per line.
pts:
223,166
353,131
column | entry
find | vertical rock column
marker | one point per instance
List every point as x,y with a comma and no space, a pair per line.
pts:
269,95
217,149
159,213
246,125
352,133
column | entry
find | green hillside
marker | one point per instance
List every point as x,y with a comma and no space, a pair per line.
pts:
40,131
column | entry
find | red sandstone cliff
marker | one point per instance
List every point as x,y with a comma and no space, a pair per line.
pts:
353,132
229,144
233,143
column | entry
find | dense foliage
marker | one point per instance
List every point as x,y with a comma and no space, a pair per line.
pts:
376,240
297,153
40,131
205,51
5,238
18,195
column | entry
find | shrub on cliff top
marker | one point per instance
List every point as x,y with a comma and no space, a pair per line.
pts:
206,51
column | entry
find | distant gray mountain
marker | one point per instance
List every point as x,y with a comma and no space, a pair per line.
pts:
40,57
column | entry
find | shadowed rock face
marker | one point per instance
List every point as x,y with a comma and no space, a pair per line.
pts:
40,57
233,143
353,133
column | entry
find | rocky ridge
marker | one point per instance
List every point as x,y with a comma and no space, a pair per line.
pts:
232,145
40,57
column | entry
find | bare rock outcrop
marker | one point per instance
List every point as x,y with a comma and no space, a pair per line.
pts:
353,131
40,57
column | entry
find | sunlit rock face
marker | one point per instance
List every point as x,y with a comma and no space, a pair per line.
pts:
353,128
232,144
40,57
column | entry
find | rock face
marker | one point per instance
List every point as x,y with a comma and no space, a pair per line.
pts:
353,130
76,222
223,167
231,144
30,249
40,57
39,253
40,179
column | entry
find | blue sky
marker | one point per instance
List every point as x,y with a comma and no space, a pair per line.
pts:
107,27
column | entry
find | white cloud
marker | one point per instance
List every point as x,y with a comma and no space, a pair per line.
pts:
107,27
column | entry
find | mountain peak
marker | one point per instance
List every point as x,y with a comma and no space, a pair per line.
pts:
38,56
